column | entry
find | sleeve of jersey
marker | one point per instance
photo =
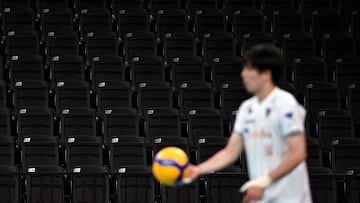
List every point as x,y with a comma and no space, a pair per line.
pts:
292,118
238,124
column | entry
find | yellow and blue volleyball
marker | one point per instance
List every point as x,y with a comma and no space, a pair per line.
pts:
170,166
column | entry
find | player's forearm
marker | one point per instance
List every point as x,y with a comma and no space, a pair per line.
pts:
220,160
289,163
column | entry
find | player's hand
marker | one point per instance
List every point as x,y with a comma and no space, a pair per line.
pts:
253,194
194,173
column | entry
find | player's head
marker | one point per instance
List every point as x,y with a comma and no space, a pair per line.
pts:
262,65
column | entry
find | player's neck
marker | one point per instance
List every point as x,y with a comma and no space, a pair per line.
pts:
264,92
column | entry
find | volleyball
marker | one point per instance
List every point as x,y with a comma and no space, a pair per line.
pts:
170,166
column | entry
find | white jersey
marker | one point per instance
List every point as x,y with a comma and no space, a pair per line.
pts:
265,127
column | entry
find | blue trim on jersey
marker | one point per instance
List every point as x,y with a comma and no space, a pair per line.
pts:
169,162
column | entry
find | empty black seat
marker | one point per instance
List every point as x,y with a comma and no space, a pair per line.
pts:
39,151
66,68
95,19
113,94
7,151
139,45
104,44
35,122
26,67
59,43
162,122
345,154
70,94
187,69
5,122
232,94
248,21
132,21
55,19
127,151
179,44
77,122
9,188
22,42
170,21
225,70
218,44
209,21
17,18
30,93
153,95
147,69
322,184
120,122
286,21
107,68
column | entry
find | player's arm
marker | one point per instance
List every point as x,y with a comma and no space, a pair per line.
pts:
223,158
296,155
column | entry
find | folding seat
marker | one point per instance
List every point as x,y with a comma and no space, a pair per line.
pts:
170,21
224,186
286,21
354,101
248,21
186,69
78,122
187,193
156,5
95,20
7,151
9,189
117,5
225,70
66,68
307,70
208,146
22,43
147,69
139,45
314,153
51,176
14,3
55,19
231,95
320,95
324,22
345,154
249,40
161,142
162,122
353,185
209,21
338,45
5,122
309,6
92,186
119,122
26,67
334,124
132,181
113,94
104,44
134,20
289,87
3,94
39,151
60,43
355,28
17,18
127,151
297,45
107,68
195,5
70,94
204,122
322,184
2,72
154,95
218,44
84,4
30,93
179,45
44,4
346,72
35,122
83,151
271,6
230,6
195,95
346,7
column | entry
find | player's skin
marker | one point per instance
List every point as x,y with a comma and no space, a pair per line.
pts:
261,85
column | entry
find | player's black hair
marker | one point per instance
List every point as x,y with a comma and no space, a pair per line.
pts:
266,57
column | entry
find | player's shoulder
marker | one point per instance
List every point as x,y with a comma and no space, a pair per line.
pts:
283,97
